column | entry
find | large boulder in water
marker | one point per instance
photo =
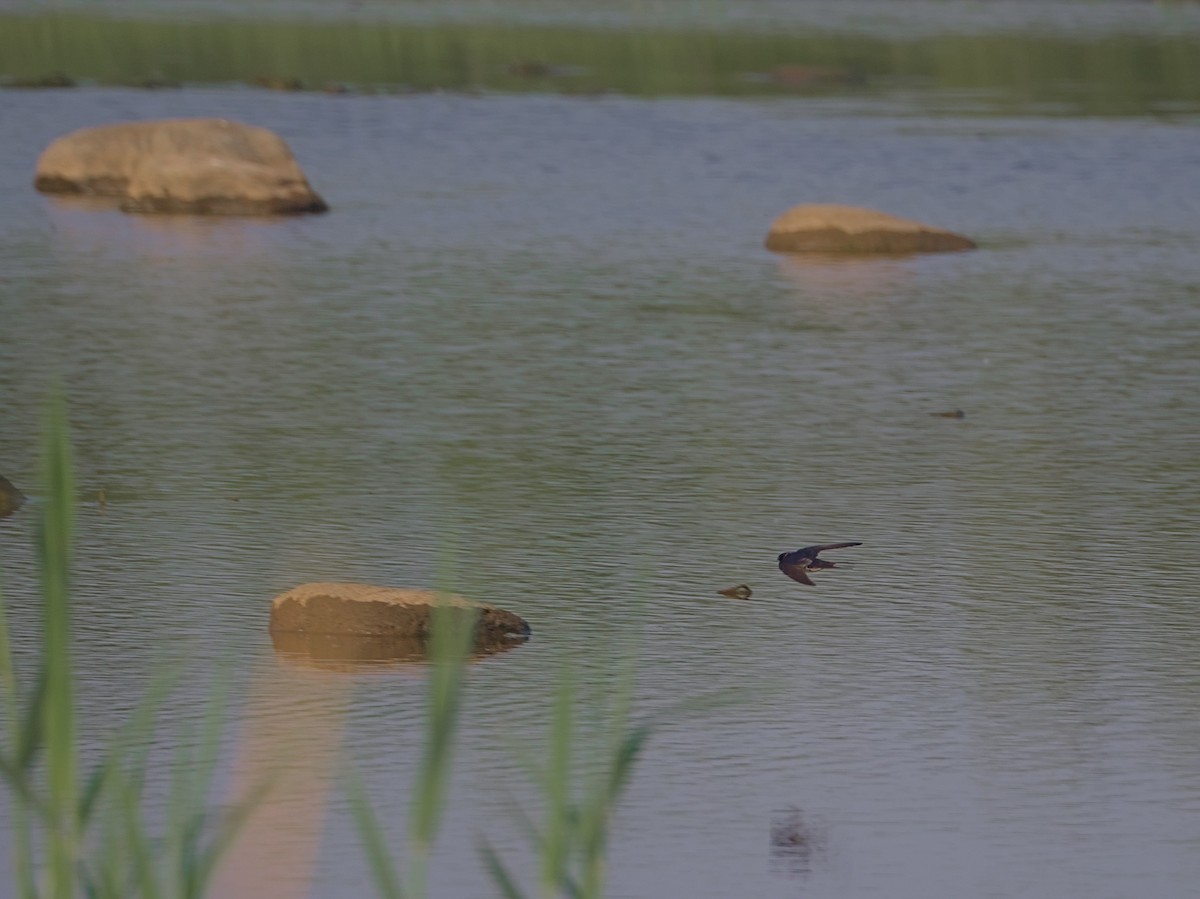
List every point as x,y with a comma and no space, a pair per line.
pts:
205,166
11,498
830,228
364,610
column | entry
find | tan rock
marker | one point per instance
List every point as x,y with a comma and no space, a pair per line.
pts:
206,166
369,611
830,228
11,498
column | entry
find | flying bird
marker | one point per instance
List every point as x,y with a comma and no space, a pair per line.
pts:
796,565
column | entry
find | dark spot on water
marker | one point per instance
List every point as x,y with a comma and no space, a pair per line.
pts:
796,842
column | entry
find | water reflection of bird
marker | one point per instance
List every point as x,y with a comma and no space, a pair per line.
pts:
790,829
796,565
741,591
796,842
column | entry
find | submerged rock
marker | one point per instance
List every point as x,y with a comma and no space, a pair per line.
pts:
364,610
830,228
53,80
11,498
278,82
151,84
530,68
798,76
205,166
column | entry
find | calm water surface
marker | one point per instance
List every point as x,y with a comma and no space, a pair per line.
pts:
537,343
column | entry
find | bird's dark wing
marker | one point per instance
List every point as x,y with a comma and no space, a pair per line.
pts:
811,551
796,573
798,555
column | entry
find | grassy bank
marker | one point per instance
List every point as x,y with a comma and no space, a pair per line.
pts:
1111,74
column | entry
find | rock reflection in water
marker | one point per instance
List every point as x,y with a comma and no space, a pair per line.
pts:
346,652
838,279
296,753
796,842
289,740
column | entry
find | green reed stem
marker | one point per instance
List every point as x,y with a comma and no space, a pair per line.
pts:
22,850
371,836
93,839
556,835
451,636
61,749
607,785
572,842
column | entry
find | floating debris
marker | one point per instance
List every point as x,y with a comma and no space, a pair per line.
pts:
741,591
11,498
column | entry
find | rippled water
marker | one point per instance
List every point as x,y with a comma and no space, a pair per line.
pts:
537,342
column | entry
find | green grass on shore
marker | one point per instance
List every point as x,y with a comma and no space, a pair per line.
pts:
1126,74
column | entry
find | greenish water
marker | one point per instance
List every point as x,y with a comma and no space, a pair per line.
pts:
1097,74
538,335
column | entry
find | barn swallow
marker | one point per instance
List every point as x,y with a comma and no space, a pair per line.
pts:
796,565
741,591
957,413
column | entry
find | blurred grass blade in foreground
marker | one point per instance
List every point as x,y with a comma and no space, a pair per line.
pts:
452,631
58,712
572,843
90,836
